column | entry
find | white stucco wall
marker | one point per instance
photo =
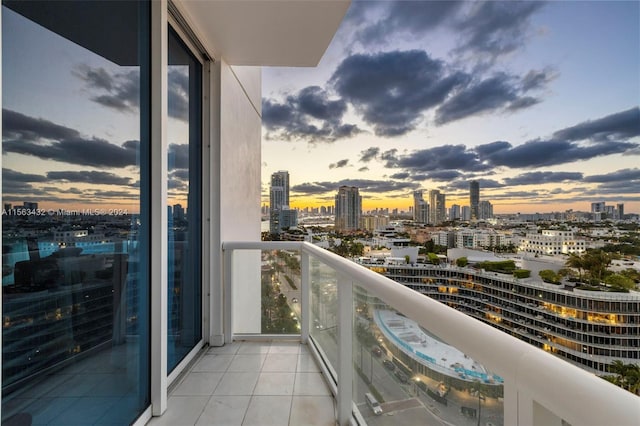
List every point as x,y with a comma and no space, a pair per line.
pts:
240,186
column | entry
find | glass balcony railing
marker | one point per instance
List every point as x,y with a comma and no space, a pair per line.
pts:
386,349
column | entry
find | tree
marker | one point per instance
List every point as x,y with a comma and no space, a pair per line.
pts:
619,282
462,262
575,261
549,276
626,376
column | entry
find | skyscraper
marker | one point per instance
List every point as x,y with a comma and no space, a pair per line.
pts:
436,207
474,198
348,208
420,208
278,199
485,210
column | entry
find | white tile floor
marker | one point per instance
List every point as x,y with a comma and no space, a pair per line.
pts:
251,383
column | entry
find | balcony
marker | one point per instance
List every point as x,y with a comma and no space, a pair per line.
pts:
370,335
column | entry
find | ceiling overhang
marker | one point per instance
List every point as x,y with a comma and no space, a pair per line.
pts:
266,32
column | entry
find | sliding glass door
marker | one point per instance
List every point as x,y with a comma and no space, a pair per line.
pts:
185,200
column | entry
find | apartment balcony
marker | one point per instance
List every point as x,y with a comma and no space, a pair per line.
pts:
363,334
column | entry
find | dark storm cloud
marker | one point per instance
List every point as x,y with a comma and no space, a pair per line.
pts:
401,175
446,157
411,17
120,91
486,29
533,178
94,177
497,93
624,124
630,187
496,28
178,93
537,153
180,174
116,194
484,183
364,185
310,115
85,152
444,175
624,175
537,79
339,164
391,90
178,156
17,126
9,175
369,154
43,139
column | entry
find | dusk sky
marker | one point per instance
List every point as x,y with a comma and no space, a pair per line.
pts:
538,101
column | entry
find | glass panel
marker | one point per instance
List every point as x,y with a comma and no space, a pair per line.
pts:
75,147
324,309
185,201
415,377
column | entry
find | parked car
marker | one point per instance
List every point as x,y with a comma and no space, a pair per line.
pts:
376,351
373,403
389,365
401,376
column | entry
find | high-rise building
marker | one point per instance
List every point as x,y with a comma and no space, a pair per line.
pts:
436,207
278,201
178,212
466,213
454,212
485,210
620,211
348,208
474,198
420,208
598,207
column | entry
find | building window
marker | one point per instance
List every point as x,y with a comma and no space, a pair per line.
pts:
75,273
185,201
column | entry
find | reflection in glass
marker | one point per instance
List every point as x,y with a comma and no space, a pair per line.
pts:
185,201
75,328
395,359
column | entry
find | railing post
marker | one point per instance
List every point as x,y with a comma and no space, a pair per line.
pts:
228,295
345,349
305,301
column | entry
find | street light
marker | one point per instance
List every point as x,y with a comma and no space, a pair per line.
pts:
416,381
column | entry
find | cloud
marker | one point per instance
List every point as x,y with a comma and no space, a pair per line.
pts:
178,92
446,157
391,90
401,175
178,156
339,164
499,92
43,139
495,28
363,169
537,153
120,90
624,124
20,127
484,184
9,175
408,17
369,154
364,185
537,79
443,175
624,175
308,115
540,178
93,177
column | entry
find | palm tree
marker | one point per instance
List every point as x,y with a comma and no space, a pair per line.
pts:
575,261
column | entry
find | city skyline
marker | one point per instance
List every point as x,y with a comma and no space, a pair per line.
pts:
525,98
